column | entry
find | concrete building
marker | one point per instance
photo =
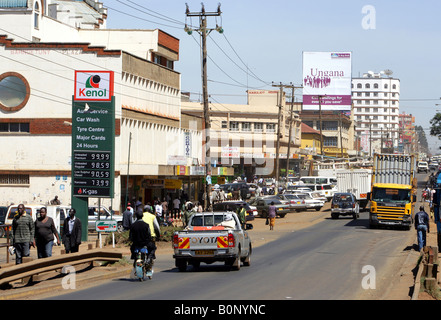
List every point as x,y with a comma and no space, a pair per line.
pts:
42,43
376,105
337,140
244,136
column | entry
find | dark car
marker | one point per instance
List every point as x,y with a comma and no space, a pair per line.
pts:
262,205
344,204
232,206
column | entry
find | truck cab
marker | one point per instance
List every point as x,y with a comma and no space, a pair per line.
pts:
391,204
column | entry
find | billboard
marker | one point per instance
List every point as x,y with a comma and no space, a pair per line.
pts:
327,80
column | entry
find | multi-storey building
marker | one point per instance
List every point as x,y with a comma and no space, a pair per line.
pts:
42,44
245,136
376,105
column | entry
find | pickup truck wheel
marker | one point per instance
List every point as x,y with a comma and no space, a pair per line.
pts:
236,264
181,265
247,260
317,208
282,215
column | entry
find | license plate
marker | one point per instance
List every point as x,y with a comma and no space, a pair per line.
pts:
204,252
280,208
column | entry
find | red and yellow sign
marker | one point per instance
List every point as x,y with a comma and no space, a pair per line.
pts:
184,243
222,242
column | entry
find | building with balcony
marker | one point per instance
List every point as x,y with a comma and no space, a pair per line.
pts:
376,108
245,136
42,44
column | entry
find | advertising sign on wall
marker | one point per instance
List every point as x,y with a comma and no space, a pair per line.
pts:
327,80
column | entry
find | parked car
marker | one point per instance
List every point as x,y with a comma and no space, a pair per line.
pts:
104,215
262,205
292,200
233,205
344,204
299,187
432,166
315,195
311,203
326,190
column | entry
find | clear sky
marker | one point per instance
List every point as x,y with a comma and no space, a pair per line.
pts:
263,43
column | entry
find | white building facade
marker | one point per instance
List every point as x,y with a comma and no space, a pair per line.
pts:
376,108
40,49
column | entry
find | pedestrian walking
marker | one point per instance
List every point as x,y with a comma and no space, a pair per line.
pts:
422,226
272,215
176,208
241,213
72,232
23,229
45,232
127,219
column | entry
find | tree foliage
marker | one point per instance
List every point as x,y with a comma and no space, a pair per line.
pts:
435,129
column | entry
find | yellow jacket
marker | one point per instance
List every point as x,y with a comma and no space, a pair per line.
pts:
150,219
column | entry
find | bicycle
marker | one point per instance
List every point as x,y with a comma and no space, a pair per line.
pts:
143,264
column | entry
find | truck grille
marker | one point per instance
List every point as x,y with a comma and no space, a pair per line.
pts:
390,213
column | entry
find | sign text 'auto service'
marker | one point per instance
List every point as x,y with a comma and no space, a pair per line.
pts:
327,80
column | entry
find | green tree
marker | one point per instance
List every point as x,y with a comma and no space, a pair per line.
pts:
435,129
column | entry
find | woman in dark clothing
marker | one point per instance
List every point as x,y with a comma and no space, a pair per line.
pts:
44,234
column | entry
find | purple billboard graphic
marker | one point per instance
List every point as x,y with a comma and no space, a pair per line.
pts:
327,75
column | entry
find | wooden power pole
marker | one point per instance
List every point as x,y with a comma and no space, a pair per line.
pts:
204,31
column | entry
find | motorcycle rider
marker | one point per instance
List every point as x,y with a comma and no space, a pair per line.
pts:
140,236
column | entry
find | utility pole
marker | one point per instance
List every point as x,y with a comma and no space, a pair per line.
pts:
204,31
320,120
290,129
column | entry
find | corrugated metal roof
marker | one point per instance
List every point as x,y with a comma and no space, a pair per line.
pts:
13,3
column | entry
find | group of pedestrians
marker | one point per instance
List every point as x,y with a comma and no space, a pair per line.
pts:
41,234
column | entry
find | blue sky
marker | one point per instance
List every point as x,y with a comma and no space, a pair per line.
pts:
268,38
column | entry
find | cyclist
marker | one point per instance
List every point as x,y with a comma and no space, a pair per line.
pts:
140,236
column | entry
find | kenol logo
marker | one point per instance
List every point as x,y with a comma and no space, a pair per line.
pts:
93,85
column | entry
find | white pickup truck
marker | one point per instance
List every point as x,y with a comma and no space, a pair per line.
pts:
211,237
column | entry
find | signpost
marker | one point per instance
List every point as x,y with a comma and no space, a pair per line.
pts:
93,140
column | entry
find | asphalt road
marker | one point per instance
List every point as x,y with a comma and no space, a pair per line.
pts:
323,262
327,261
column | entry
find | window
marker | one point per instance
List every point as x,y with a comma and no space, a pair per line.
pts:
258,127
367,102
367,86
394,86
330,142
367,94
14,127
270,127
330,125
234,126
375,85
14,179
246,126
385,86
359,86
36,15
224,125
14,91
367,110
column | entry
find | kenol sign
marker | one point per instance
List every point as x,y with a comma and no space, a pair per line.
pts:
93,85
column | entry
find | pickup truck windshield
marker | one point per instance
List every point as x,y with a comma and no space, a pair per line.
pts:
206,220
390,195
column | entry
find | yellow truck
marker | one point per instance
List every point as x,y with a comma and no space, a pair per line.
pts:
393,190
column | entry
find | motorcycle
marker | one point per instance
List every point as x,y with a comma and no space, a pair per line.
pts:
143,264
